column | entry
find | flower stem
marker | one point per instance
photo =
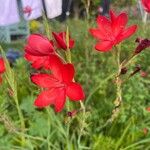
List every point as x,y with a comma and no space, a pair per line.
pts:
68,52
118,100
48,134
47,27
10,77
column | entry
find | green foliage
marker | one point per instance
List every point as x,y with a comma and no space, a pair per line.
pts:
44,129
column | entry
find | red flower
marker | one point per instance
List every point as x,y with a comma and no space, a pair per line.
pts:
148,109
145,131
111,32
61,40
143,74
27,10
2,68
57,86
146,5
38,51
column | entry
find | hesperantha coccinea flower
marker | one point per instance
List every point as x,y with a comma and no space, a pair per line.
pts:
2,68
111,32
57,86
61,42
38,51
146,5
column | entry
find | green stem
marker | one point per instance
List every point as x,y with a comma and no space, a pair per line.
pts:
47,27
10,77
48,134
118,100
68,52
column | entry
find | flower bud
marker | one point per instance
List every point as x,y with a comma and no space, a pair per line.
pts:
137,69
143,44
123,70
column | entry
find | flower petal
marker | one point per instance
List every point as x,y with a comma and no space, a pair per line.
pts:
55,66
75,92
30,51
44,80
60,99
104,24
104,46
98,34
40,43
60,40
112,16
71,43
55,96
146,5
2,65
126,33
67,72
37,61
119,24
45,98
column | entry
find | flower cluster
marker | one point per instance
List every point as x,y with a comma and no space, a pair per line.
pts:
59,84
2,68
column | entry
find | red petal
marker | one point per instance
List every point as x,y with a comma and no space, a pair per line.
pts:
119,24
126,33
55,96
45,80
67,72
30,51
45,98
55,66
98,34
104,24
112,16
40,44
71,43
146,5
2,65
75,92
60,41
38,62
104,46
60,99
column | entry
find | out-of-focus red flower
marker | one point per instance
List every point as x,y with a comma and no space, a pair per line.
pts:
148,109
27,10
2,68
57,86
145,131
61,40
143,44
143,74
146,5
111,32
38,51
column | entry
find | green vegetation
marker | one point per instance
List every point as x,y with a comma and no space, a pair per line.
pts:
45,130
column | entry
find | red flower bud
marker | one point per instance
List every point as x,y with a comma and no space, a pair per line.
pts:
137,69
123,70
143,44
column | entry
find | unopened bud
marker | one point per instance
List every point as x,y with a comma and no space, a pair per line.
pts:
143,44
123,70
137,69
